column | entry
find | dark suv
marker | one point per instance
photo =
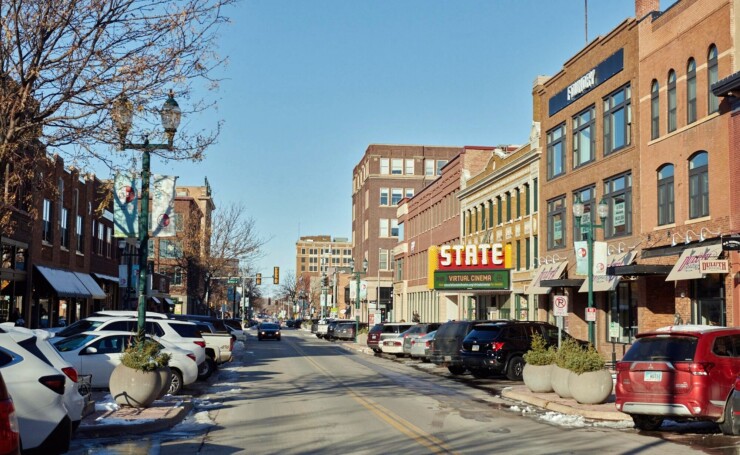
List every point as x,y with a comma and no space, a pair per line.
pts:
445,349
498,347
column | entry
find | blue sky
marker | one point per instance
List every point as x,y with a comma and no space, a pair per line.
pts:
310,84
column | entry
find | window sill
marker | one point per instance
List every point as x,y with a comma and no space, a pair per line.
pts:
698,220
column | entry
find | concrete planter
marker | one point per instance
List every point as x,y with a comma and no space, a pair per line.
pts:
592,387
165,375
538,378
362,339
136,389
559,380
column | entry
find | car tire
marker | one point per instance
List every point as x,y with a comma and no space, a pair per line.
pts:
727,426
175,382
456,369
647,423
515,369
209,366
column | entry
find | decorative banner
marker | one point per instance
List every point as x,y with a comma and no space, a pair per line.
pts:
163,206
599,252
125,206
581,257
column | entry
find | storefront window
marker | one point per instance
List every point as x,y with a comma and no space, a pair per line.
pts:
708,297
623,313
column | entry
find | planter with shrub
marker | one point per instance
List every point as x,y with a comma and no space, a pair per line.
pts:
590,382
538,368
137,381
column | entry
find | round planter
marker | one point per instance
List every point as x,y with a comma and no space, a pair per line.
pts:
593,387
537,378
559,380
165,376
137,389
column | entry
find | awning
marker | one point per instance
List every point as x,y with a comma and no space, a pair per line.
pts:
687,266
610,282
640,270
563,283
95,291
113,279
65,284
546,272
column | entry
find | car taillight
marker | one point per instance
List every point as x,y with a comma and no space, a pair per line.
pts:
497,345
202,344
191,356
429,344
54,382
623,366
9,436
413,342
695,368
231,344
71,373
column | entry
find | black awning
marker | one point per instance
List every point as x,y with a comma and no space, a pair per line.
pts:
639,270
564,283
727,86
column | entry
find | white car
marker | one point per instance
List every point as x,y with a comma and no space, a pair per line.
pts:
419,346
98,353
38,390
393,345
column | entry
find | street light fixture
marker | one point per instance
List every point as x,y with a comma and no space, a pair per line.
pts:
122,114
357,274
602,210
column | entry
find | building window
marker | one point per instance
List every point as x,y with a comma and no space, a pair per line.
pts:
535,195
617,120
584,139
410,167
518,254
170,249
691,91
556,151
385,166
623,311
527,195
383,260
671,101
499,210
654,110
101,238
383,196
383,227
78,234
508,206
490,213
396,195
46,220
618,195
517,198
588,197
665,195
483,216
108,241
64,228
556,223
397,166
440,165
409,193
699,185
712,78
527,253
428,167
395,231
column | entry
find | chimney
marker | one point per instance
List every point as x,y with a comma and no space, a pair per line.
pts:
643,7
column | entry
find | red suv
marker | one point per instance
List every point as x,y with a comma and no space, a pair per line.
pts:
682,372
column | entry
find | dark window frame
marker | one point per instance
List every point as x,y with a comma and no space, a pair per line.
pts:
556,210
691,114
712,78
617,104
556,148
612,192
655,110
666,195
698,185
672,107
584,126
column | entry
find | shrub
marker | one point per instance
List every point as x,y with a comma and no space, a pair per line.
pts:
539,354
569,348
586,361
145,356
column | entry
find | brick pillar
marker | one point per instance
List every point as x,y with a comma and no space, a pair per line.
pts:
643,7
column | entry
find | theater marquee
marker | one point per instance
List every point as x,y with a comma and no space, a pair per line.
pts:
470,267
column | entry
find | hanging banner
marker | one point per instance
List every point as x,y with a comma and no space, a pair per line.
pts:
581,257
600,260
125,206
163,206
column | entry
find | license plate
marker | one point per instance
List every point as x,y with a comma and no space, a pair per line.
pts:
448,358
475,347
653,376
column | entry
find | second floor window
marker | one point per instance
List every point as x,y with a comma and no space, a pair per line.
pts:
584,139
665,195
556,223
64,228
46,233
617,120
588,197
383,260
691,91
384,196
712,78
672,124
556,151
396,195
699,185
78,234
654,110
618,195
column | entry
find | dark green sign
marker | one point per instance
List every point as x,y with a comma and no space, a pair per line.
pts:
475,280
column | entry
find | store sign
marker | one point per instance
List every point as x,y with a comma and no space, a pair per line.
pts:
461,257
494,279
715,266
731,242
473,266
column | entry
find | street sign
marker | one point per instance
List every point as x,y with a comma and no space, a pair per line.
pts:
560,305
590,314
233,280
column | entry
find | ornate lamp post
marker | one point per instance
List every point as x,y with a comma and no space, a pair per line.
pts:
122,114
357,274
602,210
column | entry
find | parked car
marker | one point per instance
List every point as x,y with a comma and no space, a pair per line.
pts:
497,347
230,326
420,346
346,330
385,330
331,327
682,372
98,353
731,425
393,345
10,439
268,330
445,349
416,331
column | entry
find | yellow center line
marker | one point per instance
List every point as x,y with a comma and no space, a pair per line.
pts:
407,428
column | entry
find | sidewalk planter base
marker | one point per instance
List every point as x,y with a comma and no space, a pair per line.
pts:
165,376
538,378
593,387
559,380
137,389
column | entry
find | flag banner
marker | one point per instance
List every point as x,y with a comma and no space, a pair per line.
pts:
581,257
600,260
125,206
163,206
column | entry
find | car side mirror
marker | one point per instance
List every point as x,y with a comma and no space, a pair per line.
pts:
91,350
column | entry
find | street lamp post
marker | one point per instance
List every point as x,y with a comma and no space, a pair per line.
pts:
357,274
122,114
602,210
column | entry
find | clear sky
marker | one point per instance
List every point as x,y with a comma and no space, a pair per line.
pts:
311,83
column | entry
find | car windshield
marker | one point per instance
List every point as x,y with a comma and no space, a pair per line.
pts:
269,326
73,343
484,333
672,349
80,326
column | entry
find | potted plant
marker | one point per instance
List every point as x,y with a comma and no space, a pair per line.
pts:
537,370
569,348
590,382
137,380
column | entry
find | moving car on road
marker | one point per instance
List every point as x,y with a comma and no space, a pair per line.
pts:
268,331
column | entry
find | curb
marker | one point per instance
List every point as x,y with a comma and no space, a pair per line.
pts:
564,408
162,418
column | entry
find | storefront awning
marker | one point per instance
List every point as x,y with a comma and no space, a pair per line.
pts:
544,273
687,266
95,291
65,283
639,270
101,276
563,283
610,282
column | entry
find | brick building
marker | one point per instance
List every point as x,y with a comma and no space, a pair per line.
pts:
324,257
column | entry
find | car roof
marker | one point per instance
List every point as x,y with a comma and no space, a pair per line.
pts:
688,329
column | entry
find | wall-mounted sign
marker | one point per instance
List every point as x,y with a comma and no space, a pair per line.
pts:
715,266
473,266
494,279
731,242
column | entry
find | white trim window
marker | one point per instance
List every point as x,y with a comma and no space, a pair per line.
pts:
383,260
385,166
397,166
384,197
428,167
409,167
383,228
396,195
394,228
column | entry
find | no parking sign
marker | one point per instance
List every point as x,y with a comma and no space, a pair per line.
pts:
560,305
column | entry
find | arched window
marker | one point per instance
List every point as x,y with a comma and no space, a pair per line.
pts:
691,91
671,101
712,77
654,110
665,195
699,185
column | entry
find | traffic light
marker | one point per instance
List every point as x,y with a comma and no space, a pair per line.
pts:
258,280
276,275
325,281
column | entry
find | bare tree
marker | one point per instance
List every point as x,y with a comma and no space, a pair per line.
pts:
64,62
289,287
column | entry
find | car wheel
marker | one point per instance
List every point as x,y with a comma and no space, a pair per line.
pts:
456,369
515,369
206,369
480,374
647,423
175,382
727,426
